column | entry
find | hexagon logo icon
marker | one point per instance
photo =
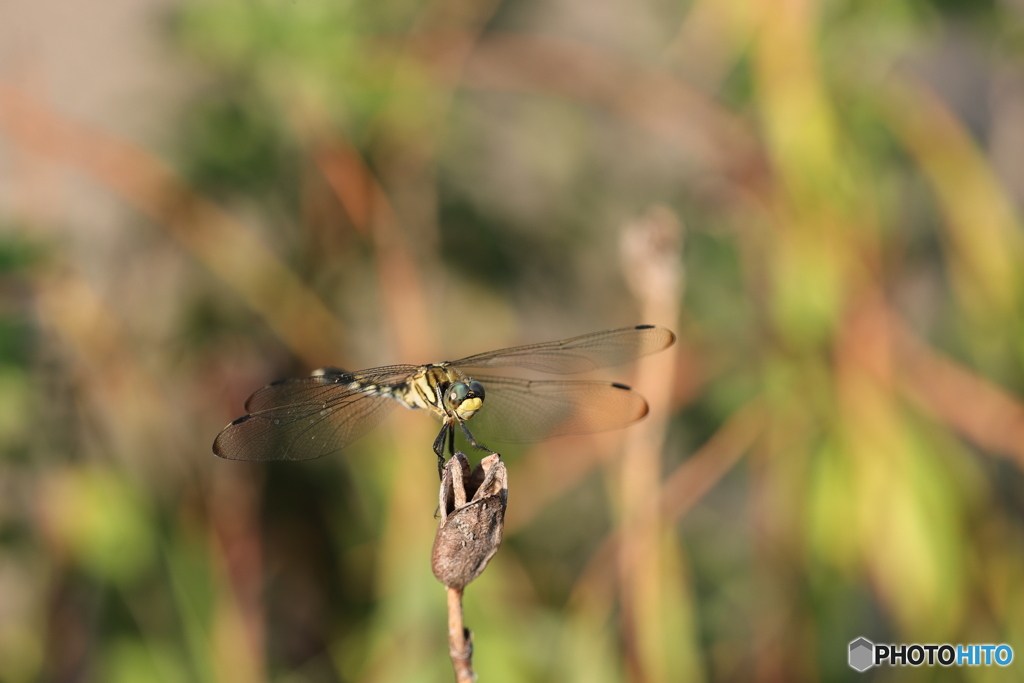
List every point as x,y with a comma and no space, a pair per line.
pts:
862,654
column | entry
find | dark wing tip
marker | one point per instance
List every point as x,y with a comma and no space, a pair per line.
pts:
620,385
218,443
671,334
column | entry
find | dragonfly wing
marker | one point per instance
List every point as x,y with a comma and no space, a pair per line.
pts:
304,389
579,354
517,410
304,430
309,417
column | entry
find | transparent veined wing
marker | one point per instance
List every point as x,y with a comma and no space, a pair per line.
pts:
309,417
579,354
517,410
324,382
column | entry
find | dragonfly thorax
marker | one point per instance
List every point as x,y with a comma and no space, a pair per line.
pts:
443,390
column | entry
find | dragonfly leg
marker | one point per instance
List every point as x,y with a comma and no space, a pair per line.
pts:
444,435
439,441
469,437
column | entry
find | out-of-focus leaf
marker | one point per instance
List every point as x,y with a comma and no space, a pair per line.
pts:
128,661
101,521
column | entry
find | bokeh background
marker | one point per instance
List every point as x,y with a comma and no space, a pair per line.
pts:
823,199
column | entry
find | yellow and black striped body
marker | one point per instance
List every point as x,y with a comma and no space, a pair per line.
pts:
427,389
438,388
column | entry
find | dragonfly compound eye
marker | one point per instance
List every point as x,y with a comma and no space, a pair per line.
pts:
477,389
464,399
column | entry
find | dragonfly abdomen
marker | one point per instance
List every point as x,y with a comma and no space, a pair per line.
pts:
351,381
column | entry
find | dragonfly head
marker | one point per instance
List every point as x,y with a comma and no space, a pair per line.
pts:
463,399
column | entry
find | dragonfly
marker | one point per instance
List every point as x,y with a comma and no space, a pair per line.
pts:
308,417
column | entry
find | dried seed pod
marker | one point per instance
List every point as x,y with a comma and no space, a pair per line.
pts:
472,508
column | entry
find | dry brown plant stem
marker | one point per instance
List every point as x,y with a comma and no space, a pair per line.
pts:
651,249
472,505
460,645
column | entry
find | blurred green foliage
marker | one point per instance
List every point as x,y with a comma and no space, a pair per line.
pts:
229,146
835,443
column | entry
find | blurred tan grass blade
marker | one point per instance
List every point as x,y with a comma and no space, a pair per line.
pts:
704,468
985,413
593,593
652,99
120,389
984,243
225,246
400,279
651,250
